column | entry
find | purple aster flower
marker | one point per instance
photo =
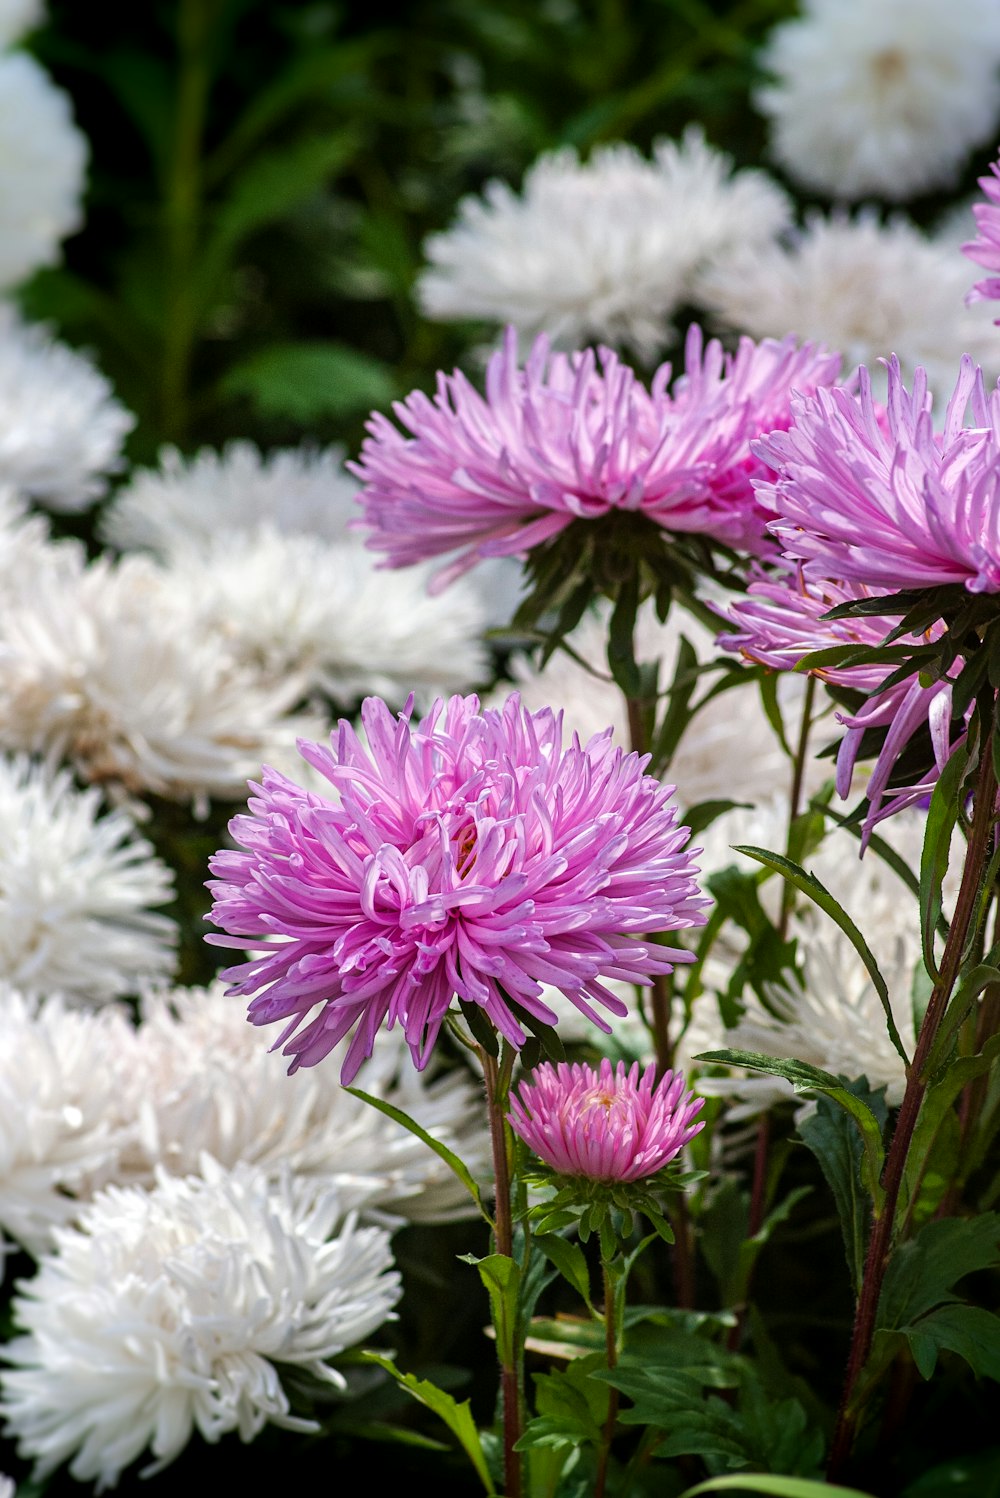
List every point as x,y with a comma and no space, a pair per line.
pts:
782,619
880,498
607,1125
985,248
575,437
469,855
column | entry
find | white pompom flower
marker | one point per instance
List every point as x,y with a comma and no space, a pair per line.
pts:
43,159
604,250
77,884
881,98
17,18
61,1126
205,1080
190,502
867,288
61,429
106,666
170,1311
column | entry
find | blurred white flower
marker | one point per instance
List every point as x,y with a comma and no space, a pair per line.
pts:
76,884
7,1486
191,502
604,250
832,1019
205,1079
881,98
170,1311
43,158
867,288
729,751
61,1130
107,667
316,608
61,429
17,17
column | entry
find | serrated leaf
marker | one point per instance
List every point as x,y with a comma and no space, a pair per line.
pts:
442,1151
922,1273
457,1417
821,896
968,1331
305,381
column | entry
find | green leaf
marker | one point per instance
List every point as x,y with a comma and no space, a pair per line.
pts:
442,1151
502,1277
942,815
457,1417
778,1487
969,1331
936,1110
831,1136
820,895
805,1078
976,1475
621,638
273,185
679,694
923,1272
304,381
570,1260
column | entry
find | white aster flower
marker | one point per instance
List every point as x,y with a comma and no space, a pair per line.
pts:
17,18
76,884
191,502
43,157
316,608
61,430
605,250
206,1080
729,752
7,1486
881,98
106,666
61,1130
170,1311
867,288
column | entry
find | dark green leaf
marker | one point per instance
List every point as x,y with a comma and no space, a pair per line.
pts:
304,381
457,1417
832,1136
942,815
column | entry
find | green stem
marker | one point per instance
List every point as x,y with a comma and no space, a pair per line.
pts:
880,1242
182,211
611,1354
795,796
497,1077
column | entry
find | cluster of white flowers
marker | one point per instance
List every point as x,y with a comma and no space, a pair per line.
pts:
881,98
606,249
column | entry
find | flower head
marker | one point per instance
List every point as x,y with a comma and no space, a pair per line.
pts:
577,437
43,158
606,249
881,498
61,429
985,248
881,99
464,855
607,1125
170,1311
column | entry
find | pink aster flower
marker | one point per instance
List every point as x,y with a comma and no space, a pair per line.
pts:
574,437
782,619
985,248
469,855
606,1125
878,497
